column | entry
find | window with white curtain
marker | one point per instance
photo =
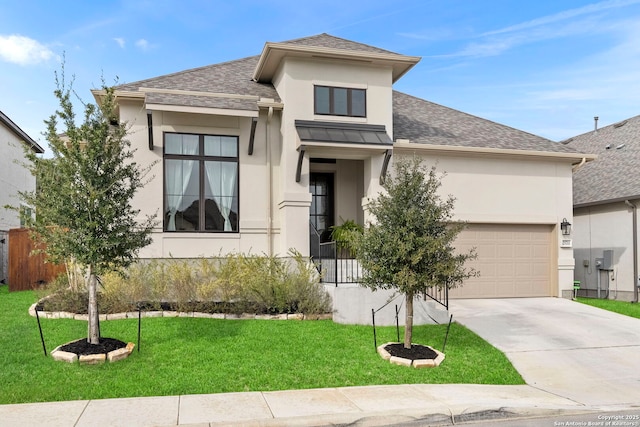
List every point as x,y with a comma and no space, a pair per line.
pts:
200,183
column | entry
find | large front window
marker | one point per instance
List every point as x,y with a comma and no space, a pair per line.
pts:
200,183
340,101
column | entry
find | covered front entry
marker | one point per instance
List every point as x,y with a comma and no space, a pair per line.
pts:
321,212
514,260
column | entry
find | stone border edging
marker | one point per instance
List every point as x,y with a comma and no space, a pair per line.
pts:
162,313
418,363
92,359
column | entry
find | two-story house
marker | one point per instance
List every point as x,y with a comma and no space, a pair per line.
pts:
13,178
251,152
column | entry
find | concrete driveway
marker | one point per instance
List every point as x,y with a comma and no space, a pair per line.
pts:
582,353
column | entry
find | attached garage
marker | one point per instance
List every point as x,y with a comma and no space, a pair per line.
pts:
513,260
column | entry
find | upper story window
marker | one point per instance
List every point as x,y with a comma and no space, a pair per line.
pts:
200,183
340,101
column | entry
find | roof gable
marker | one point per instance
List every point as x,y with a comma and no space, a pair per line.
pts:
22,135
615,174
325,46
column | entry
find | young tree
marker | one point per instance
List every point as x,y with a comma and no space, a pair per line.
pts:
409,247
84,191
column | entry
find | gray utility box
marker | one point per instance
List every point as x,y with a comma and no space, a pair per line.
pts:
606,262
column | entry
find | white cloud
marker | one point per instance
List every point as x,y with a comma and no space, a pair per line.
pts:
564,15
23,50
572,22
143,44
120,41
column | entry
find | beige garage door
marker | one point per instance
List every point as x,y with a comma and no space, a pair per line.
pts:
513,260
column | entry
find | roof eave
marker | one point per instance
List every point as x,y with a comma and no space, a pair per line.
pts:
574,158
119,94
606,201
273,53
21,134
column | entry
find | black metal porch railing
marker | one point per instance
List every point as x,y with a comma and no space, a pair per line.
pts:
336,265
439,295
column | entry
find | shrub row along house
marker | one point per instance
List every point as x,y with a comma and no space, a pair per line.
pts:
252,154
13,178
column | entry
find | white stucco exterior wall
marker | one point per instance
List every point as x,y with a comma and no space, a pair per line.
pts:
503,190
253,180
599,228
295,81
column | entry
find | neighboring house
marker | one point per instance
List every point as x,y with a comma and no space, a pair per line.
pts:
606,195
250,152
13,178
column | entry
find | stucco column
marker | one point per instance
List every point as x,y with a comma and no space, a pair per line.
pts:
294,216
372,187
294,199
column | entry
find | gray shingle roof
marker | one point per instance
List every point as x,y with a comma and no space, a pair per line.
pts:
414,119
329,41
615,174
232,78
424,122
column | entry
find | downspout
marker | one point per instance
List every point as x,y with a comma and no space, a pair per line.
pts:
634,210
270,184
579,165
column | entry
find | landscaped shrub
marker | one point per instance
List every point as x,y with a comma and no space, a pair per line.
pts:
59,296
141,282
236,283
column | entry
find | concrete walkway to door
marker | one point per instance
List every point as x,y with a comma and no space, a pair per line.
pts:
573,350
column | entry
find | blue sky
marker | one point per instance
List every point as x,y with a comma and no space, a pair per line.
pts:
545,67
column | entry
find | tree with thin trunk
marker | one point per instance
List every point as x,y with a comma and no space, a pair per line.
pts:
84,191
409,246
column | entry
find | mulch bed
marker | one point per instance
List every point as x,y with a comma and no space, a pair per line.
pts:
82,346
416,351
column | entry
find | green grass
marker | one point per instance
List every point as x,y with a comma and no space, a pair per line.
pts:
622,307
193,356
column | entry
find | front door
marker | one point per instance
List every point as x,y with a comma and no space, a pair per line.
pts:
321,211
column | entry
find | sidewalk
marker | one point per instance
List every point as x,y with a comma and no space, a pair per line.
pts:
362,406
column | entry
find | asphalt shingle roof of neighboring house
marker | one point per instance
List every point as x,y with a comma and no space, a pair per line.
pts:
414,119
615,174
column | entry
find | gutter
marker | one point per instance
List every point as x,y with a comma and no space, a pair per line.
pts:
634,209
453,150
269,183
271,106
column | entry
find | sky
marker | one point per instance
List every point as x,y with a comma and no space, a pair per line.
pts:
546,67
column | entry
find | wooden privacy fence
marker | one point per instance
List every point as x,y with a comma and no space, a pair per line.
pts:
4,261
26,270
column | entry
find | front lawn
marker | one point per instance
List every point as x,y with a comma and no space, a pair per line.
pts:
622,307
192,356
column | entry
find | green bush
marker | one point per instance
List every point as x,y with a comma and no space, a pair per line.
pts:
235,283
